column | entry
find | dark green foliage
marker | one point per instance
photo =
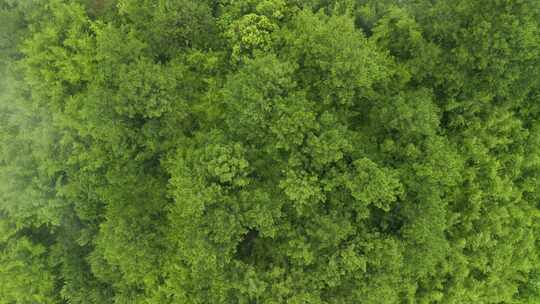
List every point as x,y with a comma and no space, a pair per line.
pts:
269,151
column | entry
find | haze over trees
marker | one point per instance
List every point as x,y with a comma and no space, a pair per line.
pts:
269,151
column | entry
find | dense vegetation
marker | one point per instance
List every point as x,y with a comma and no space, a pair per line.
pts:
269,151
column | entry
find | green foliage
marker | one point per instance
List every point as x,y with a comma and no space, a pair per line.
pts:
269,151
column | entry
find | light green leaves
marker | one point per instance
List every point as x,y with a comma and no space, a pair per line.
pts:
269,151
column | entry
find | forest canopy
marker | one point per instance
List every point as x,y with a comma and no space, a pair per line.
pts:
269,151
